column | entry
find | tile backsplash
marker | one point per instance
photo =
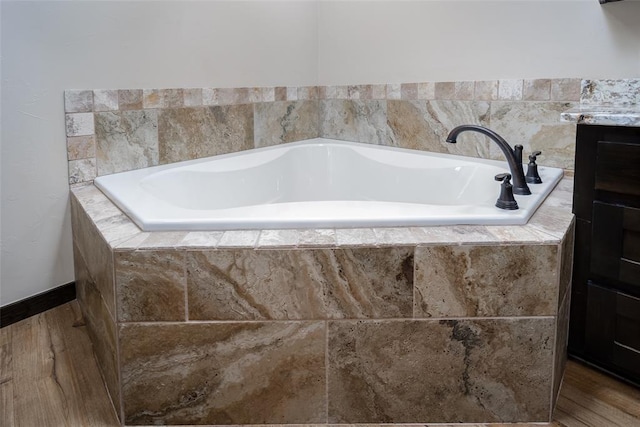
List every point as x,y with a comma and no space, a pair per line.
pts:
111,131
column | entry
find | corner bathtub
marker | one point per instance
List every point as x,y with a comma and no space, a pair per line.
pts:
320,183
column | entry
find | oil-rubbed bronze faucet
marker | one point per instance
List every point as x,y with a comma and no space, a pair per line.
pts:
514,156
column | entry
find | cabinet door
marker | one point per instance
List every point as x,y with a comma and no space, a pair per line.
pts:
613,328
618,168
615,251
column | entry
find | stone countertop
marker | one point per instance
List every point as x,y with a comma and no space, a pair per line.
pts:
628,115
548,225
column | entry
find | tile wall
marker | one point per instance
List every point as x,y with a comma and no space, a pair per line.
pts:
111,131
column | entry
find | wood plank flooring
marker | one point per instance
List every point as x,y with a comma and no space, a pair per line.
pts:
49,377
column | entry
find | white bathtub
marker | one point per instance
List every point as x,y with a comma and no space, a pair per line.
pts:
319,183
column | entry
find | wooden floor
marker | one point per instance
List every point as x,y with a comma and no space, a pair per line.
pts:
49,377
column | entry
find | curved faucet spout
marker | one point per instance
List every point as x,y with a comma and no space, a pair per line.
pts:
513,156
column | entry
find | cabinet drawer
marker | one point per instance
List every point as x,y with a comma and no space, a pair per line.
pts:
618,167
615,251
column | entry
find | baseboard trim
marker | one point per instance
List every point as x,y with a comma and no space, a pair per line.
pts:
17,311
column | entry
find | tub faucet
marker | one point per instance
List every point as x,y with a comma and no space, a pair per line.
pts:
514,156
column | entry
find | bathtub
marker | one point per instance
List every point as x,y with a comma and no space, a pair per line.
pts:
320,183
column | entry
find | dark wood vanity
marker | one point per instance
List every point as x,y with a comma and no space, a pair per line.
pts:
605,305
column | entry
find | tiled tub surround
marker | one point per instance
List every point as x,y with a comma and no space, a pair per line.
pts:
390,325
116,130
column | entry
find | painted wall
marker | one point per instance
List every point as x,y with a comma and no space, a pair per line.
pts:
51,46
451,40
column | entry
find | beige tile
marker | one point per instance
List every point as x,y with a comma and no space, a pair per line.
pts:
561,341
130,99
78,101
457,371
393,236
163,240
281,122
424,125
486,281
210,96
83,170
486,90
105,100
535,125
280,93
192,97
81,147
279,238
191,133
317,238
355,120
394,91
79,124
300,284
292,93
239,239
378,92
307,93
201,239
445,90
355,237
464,91
566,262
510,90
267,94
409,91
150,286
537,90
126,140
172,98
224,373
565,90
151,98
342,92
426,90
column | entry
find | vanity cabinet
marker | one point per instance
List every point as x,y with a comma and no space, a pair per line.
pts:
605,305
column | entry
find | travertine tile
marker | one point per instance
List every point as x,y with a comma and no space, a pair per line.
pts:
342,92
163,240
510,90
81,147
120,233
152,98
565,89
426,90
201,239
356,120
486,281
535,125
79,124
566,262
280,238
486,90
192,97
281,122
424,125
394,91
409,91
105,100
78,101
317,237
537,90
551,220
210,96
299,284
307,93
150,286
561,341
223,373
267,94
130,99
378,92
100,326
393,236
519,234
191,133
440,371
239,239
83,170
445,90
355,237
460,234
280,93
292,93
126,140
463,91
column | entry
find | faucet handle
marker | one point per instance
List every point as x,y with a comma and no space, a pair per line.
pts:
506,200
532,176
506,177
534,155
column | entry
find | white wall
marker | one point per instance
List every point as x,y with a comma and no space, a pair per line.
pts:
401,41
48,47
